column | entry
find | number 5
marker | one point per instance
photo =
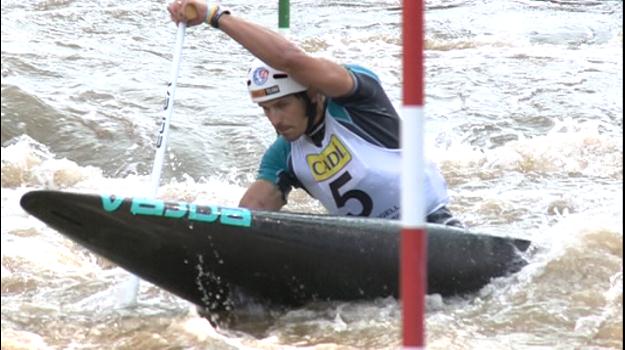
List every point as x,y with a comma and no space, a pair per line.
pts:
341,200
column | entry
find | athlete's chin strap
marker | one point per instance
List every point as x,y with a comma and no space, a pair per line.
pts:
311,111
312,128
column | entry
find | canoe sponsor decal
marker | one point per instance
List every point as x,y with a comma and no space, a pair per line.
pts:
179,210
332,159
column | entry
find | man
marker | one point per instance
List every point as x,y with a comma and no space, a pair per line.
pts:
338,131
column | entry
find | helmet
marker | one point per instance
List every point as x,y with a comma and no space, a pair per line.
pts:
266,83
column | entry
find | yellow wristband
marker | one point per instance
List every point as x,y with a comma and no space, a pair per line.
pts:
214,12
210,12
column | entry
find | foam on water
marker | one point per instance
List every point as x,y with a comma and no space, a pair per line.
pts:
524,117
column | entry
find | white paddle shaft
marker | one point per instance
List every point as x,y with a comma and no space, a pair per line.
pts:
163,131
161,142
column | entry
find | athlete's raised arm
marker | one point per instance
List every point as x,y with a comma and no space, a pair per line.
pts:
328,77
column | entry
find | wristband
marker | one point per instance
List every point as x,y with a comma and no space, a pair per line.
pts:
215,12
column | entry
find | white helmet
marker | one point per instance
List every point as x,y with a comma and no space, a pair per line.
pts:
266,83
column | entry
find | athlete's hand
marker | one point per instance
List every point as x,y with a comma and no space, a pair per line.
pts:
193,12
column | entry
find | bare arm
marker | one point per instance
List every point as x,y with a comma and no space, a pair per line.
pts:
328,77
262,195
321,74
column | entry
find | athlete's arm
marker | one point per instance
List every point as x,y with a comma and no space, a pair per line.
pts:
329,78
262,195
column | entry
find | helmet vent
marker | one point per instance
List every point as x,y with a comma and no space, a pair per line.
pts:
280,76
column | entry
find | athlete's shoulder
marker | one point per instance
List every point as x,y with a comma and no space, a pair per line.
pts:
360,70
367,87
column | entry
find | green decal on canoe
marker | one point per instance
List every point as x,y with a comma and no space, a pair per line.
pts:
111,203
146,206
236,217
178,210
203,213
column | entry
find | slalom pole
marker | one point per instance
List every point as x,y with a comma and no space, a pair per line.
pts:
161,141
413,276
283,16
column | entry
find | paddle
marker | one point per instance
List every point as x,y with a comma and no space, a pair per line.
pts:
130,297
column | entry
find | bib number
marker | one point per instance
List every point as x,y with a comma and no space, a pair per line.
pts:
341,199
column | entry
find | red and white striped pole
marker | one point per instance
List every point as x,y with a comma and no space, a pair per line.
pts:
413,276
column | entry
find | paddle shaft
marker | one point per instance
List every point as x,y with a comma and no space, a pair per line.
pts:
161,140
163,131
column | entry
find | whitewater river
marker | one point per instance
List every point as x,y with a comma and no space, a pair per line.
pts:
524,116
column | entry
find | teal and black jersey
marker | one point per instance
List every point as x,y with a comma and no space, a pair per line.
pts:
352,163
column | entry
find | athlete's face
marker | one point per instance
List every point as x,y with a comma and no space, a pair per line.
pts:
287,115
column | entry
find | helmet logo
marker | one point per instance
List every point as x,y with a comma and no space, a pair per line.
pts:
260,76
